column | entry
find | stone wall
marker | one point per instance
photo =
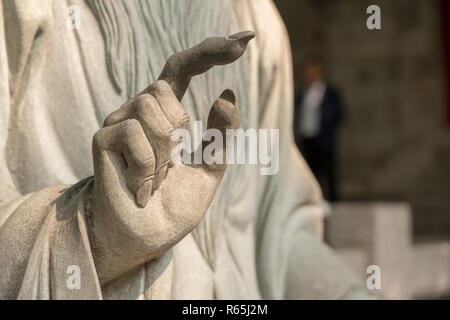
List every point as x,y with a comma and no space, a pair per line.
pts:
394,144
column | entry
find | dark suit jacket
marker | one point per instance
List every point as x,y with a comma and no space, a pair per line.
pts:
331,114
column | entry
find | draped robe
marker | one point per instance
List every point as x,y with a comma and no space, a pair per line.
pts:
261,237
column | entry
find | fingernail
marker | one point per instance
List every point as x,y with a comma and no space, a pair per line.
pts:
229,96
244,37
143,194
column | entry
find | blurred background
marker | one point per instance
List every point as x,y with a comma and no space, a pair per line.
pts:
393,144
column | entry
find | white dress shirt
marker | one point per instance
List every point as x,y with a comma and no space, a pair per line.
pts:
310,110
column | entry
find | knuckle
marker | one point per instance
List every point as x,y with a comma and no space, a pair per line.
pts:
110,120
144,101
143,104
158,129
132,129
162,86
97,138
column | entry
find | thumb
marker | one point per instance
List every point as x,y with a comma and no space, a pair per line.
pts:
198,184
222,116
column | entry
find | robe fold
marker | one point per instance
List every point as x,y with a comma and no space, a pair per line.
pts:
261,236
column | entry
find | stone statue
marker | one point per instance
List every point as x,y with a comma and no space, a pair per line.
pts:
143,227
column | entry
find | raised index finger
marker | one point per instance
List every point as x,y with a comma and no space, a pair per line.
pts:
182,66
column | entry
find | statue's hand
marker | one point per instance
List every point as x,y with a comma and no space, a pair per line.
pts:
143,204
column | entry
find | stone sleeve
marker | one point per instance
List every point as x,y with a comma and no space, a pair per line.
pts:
45,246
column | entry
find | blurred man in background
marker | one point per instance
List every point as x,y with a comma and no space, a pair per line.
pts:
318,111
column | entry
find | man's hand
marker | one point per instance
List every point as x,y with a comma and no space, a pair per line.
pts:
143,204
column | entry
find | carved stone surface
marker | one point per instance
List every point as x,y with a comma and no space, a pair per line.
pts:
128,228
